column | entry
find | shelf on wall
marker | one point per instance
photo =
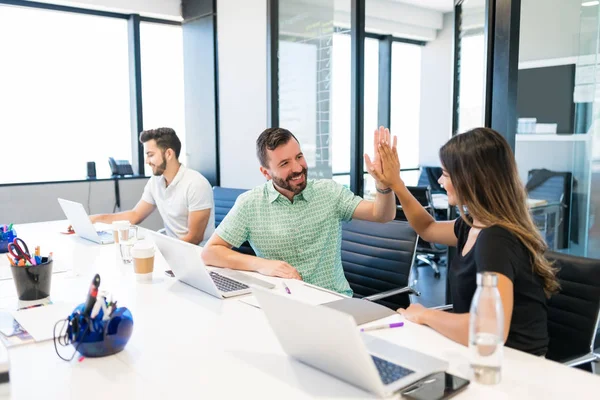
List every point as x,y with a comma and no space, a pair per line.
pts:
551,137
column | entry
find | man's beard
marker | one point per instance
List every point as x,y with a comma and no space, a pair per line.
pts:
287,183
160,169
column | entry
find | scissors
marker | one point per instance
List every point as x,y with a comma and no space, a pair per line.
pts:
19,250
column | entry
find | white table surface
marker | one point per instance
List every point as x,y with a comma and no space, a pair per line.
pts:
187,344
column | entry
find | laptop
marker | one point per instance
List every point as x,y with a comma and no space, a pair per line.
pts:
187,265
334,345
80,221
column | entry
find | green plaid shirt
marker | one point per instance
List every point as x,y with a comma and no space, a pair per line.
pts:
307,233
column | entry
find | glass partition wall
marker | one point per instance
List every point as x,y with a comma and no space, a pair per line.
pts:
557,129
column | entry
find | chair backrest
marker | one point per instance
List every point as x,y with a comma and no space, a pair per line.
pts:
378,257
573,313
224,199
554,186
422,194
429,177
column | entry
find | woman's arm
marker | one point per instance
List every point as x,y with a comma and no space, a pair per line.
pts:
420,220
456,326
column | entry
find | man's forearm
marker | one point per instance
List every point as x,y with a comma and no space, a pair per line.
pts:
221,256
130,216
384,209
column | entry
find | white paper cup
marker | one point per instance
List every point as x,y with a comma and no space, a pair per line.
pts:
142,253
116,226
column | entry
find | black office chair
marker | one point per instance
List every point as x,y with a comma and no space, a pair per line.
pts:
427,253
429,176
377,260
556,187
225,199
574,313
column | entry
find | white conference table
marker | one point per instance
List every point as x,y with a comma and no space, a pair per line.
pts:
187,344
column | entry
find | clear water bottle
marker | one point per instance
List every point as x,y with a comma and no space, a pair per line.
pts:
486,330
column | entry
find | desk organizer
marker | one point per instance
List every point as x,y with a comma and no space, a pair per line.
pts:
33,282
5,239
98,338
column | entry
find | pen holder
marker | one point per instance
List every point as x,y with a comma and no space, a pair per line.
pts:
94,337
5,239
33,282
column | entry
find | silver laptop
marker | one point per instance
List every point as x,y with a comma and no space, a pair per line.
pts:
187,265
80,221
329,340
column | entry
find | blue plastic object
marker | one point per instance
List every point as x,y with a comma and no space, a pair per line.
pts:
5,239
98,338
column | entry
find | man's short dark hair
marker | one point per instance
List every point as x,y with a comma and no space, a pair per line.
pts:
271,139
166,138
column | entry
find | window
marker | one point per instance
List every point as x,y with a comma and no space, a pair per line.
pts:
341,93
342,96
162,80
404,107
64,93
406,101
472,78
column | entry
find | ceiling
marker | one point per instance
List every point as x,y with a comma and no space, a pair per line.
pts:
437,5
442,5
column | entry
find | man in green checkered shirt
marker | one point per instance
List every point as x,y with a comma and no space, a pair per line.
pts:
292,223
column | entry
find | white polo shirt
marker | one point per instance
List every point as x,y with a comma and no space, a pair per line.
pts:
189,191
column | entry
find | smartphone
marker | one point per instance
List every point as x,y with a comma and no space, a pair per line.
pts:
438,386
170,273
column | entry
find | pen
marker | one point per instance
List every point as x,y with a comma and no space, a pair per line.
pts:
386,326
287,289
91,298
11,261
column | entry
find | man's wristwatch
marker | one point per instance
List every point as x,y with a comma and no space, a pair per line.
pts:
383,191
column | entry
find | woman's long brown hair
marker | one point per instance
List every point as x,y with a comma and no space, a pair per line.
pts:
484,174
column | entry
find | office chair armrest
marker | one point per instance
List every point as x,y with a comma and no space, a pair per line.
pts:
392,292
445,307
574,362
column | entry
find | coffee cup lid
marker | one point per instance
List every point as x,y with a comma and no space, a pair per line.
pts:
142,249
121,224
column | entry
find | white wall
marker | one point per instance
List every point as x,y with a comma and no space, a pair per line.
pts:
242,52
437,59
169,9
549,29
37,203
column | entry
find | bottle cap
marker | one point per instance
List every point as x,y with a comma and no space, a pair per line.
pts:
487,279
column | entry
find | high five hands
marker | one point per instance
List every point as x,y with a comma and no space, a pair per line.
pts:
385,167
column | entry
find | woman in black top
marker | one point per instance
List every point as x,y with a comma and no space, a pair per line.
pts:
497,235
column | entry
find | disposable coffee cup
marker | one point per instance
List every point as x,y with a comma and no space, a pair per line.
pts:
118,225
142,253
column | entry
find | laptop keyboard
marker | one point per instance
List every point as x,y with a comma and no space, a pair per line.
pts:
225,284
390,372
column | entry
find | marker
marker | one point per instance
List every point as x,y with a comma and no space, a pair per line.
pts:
287,289
386,326
91,298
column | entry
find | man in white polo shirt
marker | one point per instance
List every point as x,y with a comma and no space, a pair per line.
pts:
184,197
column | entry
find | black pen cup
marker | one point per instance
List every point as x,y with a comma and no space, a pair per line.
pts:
33,282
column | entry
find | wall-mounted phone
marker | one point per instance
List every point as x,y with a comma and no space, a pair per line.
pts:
120,167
